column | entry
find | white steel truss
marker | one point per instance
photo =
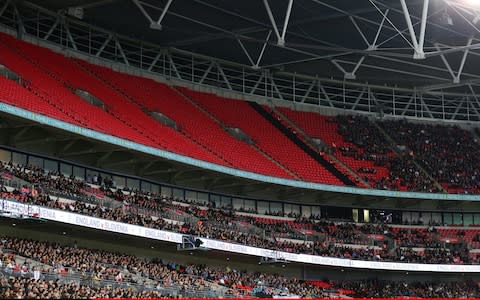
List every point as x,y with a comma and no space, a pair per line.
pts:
252,79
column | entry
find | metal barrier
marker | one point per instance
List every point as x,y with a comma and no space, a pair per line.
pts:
292,89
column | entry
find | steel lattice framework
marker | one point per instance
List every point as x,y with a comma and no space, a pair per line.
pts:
451,94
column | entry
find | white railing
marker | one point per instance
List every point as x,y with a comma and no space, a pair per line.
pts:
75,37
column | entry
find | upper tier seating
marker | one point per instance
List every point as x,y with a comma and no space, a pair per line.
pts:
49,80
449,153
326,129
158,97
55,72
239,114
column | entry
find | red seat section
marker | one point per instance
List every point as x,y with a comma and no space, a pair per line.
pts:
239,114
14,94
55,100
325,128
59,70
158,97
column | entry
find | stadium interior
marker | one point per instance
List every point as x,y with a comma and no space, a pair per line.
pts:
217,149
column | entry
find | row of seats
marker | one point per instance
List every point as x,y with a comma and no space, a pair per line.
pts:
326,129
56,71
49,82
239,114
158,97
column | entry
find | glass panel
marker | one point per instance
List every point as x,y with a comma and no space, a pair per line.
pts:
306,211
415,217
447,218
178,194
155,188
467,219
406,217
457,219
5,155
146,186
215,199
191,195
92,176
237,203
65,169
426,218
249,205
119,181
35,161
133,184
262,207
226,202
79,172
166,191
366,216
19,159
355,215
295,208
50,165
436,218
476,219
202,198
316,212
275,207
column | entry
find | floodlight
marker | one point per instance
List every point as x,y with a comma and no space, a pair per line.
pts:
471,2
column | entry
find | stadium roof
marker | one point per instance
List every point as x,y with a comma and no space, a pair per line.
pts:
361,40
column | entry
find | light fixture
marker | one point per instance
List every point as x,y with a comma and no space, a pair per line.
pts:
471,2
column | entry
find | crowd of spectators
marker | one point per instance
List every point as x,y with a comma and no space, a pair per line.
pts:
371,145
166,274
449,154
327,239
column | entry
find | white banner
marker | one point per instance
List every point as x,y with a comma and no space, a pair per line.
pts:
112,226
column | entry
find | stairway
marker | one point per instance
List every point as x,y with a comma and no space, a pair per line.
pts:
223,126
393,145
308,140
311,152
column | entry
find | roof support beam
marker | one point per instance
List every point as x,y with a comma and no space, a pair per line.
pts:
120,49
158,25
462,63
373,46
109,38
50,31
417,45
207,71
263,50
144,12
220,69
391,23
359,30
349,75
456,78
423,25
246,52
69,35
4,7
280,38
272,20
154,62
287,18
308,91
